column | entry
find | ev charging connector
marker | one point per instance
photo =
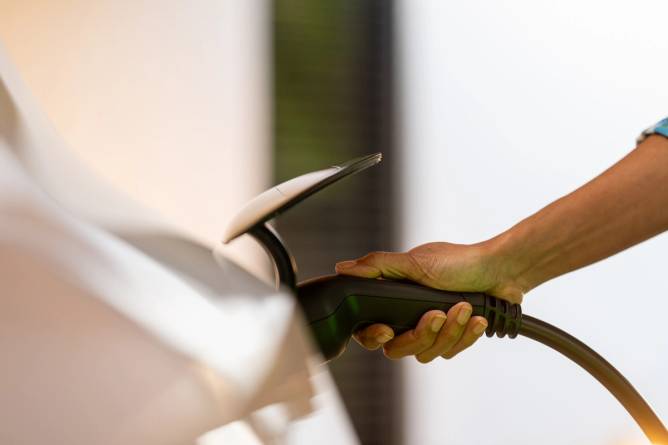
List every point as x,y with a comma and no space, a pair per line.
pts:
336,306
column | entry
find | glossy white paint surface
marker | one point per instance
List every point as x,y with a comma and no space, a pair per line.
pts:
271,200
122,324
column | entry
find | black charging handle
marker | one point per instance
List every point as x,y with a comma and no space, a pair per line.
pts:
337,305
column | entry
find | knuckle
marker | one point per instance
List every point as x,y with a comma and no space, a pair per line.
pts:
451,337
425,341
422,266
468,341
424,358
370,257
445,348
464,345
417,336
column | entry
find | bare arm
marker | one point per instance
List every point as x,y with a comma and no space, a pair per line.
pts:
625,205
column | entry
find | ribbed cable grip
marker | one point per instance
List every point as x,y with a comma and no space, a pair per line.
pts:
503,318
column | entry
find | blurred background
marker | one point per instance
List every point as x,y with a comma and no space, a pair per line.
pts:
334,100
484,112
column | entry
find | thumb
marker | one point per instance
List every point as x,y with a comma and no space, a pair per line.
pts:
382,264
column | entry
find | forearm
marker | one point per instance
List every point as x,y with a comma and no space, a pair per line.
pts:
623,206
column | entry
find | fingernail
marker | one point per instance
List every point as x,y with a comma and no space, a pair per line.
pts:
437,323
480,328
345,264
383,338
463,315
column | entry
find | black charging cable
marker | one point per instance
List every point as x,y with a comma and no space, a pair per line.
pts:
601,370
336,306
507,319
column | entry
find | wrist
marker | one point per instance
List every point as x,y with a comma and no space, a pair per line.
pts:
508,266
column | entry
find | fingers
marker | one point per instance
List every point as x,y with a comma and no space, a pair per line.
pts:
356,269
372,337
382,264
416,340
460,331
437,334
474,330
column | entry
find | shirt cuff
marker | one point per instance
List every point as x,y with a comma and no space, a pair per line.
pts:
660,128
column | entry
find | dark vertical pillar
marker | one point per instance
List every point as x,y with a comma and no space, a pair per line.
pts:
333,98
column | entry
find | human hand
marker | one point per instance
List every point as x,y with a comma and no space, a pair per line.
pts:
455,267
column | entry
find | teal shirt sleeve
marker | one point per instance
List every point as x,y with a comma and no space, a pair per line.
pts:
660,128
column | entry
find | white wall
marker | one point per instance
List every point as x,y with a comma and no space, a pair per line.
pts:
506,107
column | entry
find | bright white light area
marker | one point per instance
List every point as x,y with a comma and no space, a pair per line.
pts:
166,100
507,106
